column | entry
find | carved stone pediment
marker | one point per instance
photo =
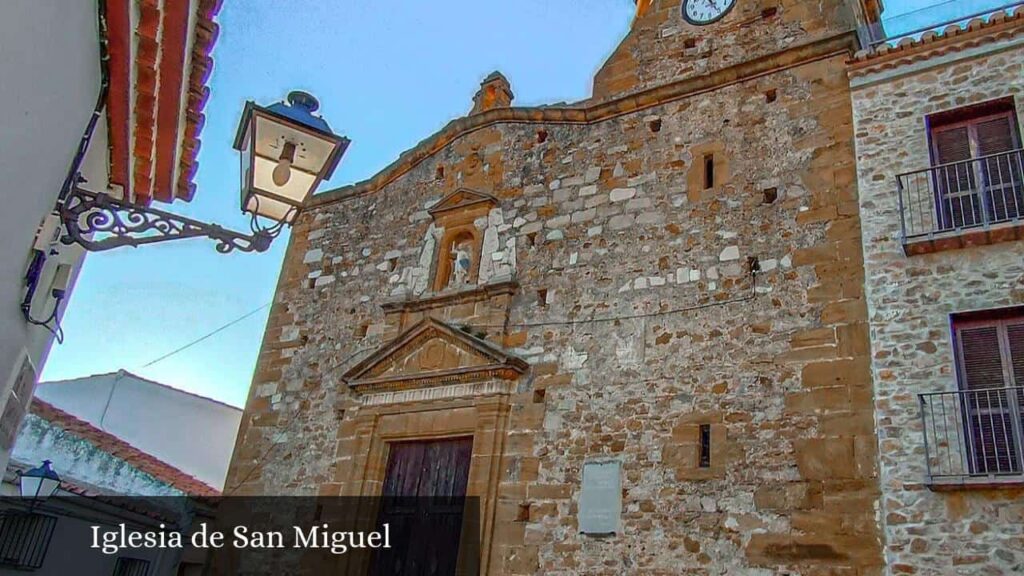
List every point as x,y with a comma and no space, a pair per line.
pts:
433,353
461,199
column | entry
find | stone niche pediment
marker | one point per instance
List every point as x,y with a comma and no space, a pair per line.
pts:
430,354
460,200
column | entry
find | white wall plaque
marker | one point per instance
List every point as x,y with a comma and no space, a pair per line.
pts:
601,498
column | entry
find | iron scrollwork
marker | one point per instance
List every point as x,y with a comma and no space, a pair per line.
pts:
116,223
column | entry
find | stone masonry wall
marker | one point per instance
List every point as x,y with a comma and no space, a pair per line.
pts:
910,301
662,46
611,219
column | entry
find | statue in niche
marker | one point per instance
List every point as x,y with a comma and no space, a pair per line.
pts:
462,261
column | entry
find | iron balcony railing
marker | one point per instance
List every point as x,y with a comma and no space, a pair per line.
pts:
959,196
974,436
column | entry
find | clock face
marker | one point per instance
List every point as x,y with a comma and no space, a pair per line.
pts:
703,12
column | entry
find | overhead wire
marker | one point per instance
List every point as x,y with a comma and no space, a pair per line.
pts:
260,462
205,336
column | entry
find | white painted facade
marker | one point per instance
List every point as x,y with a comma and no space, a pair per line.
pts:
50,66
191,433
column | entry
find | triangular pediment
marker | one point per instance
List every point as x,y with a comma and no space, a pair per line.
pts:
460,199
433,353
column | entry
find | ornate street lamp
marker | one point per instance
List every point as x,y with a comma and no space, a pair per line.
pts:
39,483
286,151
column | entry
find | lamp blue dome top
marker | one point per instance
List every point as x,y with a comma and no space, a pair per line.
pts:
300,108
43,471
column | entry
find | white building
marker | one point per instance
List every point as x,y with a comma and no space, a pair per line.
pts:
146,98
105,482
190,432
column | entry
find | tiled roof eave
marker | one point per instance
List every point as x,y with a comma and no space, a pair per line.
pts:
978,31
118,448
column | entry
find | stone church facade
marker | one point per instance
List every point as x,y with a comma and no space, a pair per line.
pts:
662,287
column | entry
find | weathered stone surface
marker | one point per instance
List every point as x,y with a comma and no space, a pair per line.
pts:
685,347
911,299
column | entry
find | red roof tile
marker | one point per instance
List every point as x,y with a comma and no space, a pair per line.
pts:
117,447
998,25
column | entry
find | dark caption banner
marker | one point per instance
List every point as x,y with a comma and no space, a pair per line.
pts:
138,536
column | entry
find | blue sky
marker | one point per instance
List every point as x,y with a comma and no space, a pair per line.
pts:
388,74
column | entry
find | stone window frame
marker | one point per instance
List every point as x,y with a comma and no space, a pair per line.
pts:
971,115
1002,319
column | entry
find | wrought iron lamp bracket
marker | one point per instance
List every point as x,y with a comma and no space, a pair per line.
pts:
118,223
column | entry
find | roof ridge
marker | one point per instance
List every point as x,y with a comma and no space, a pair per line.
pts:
144,379
123,450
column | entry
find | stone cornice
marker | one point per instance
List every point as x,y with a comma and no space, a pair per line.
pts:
591,113
954,38
437,378
437,300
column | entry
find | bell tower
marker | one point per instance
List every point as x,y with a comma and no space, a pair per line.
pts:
671,40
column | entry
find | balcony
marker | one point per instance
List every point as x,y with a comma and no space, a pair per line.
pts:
974,437
977,201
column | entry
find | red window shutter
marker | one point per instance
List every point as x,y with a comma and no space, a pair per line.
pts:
981,363
990,418
994,135
952,145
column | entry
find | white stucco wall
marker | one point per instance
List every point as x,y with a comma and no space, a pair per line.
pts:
49,65
189,432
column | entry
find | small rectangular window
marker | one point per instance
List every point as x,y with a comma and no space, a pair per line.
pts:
709,171
705,446
131,567
24,538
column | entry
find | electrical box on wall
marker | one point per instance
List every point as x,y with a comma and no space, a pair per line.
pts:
48,232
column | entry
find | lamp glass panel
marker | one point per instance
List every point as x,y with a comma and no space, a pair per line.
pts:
30,486
311,152
246,161
47,487
299,185
270,208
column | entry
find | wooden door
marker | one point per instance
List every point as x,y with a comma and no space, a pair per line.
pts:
423,502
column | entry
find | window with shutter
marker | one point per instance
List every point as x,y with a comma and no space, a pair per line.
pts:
990,366
978,174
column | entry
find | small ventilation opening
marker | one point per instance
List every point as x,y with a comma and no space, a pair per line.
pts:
769,195
542,297
690,43
542,136
539,395
771,95
655,125
523,513
709,171
705,446
531,238
361,330
439,173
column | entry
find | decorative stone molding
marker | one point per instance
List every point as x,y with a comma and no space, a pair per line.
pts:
495,92
479,293
432,354
439,393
